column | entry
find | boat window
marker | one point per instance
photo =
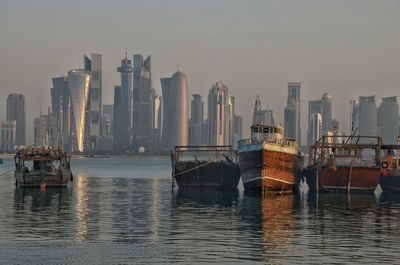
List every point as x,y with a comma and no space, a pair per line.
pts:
255,129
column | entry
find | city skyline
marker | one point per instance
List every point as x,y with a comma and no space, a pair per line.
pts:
259,46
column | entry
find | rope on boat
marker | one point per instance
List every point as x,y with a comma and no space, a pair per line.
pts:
8,171
193,168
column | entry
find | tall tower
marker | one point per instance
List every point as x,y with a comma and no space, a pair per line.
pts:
61,112
16,112
326,113
175,110
261,116
123,108
315,127
314,107
196,120
79,85
368,119
292,112
389,120
94,67
221,110
143,103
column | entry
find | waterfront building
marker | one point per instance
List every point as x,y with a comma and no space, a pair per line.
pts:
237,131
8,135
61,112
314,106
108,120
389,120
368,117
326,113
175,110
315,129
196,120
354,116
220,107
79,85
143,103
123,108
16,112
262,116
43,130
94,67
292,112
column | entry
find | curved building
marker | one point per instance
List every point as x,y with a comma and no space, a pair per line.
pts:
175,111
79,84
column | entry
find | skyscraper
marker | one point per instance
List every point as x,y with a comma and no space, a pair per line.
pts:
221,111
314,106
196,120
61,112
315,127
175,110
368,119
292,112
143,103
108,119
79,85
44,125
94,67
123,108
16,112
354,117
8,135
326,113
237,130
261,116
389,120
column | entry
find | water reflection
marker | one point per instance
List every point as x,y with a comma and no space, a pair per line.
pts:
41,213
278,226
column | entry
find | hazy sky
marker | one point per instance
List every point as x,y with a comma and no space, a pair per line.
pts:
344,47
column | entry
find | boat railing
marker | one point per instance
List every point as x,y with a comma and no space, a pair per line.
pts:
283,142
353,148
205,152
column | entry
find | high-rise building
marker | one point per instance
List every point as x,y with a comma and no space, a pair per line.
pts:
157,114
354,117
16,112
368,117
292,112
237,130
108,120
8,135
94,67
314,106
143,103
123,108
261,116
221,111
79,85
61,112
196,120
326,112
315,127
389,120
175,110
43,128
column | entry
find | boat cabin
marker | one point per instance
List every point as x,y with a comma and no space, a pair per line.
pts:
357,150
45,158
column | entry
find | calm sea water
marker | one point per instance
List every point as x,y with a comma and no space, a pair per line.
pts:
123,211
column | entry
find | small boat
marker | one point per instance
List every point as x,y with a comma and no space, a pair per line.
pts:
208,167
390,174
42,167
351,166
267,161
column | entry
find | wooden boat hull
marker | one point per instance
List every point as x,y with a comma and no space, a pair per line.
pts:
43,179
343,179
219,175
390,180
264,169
